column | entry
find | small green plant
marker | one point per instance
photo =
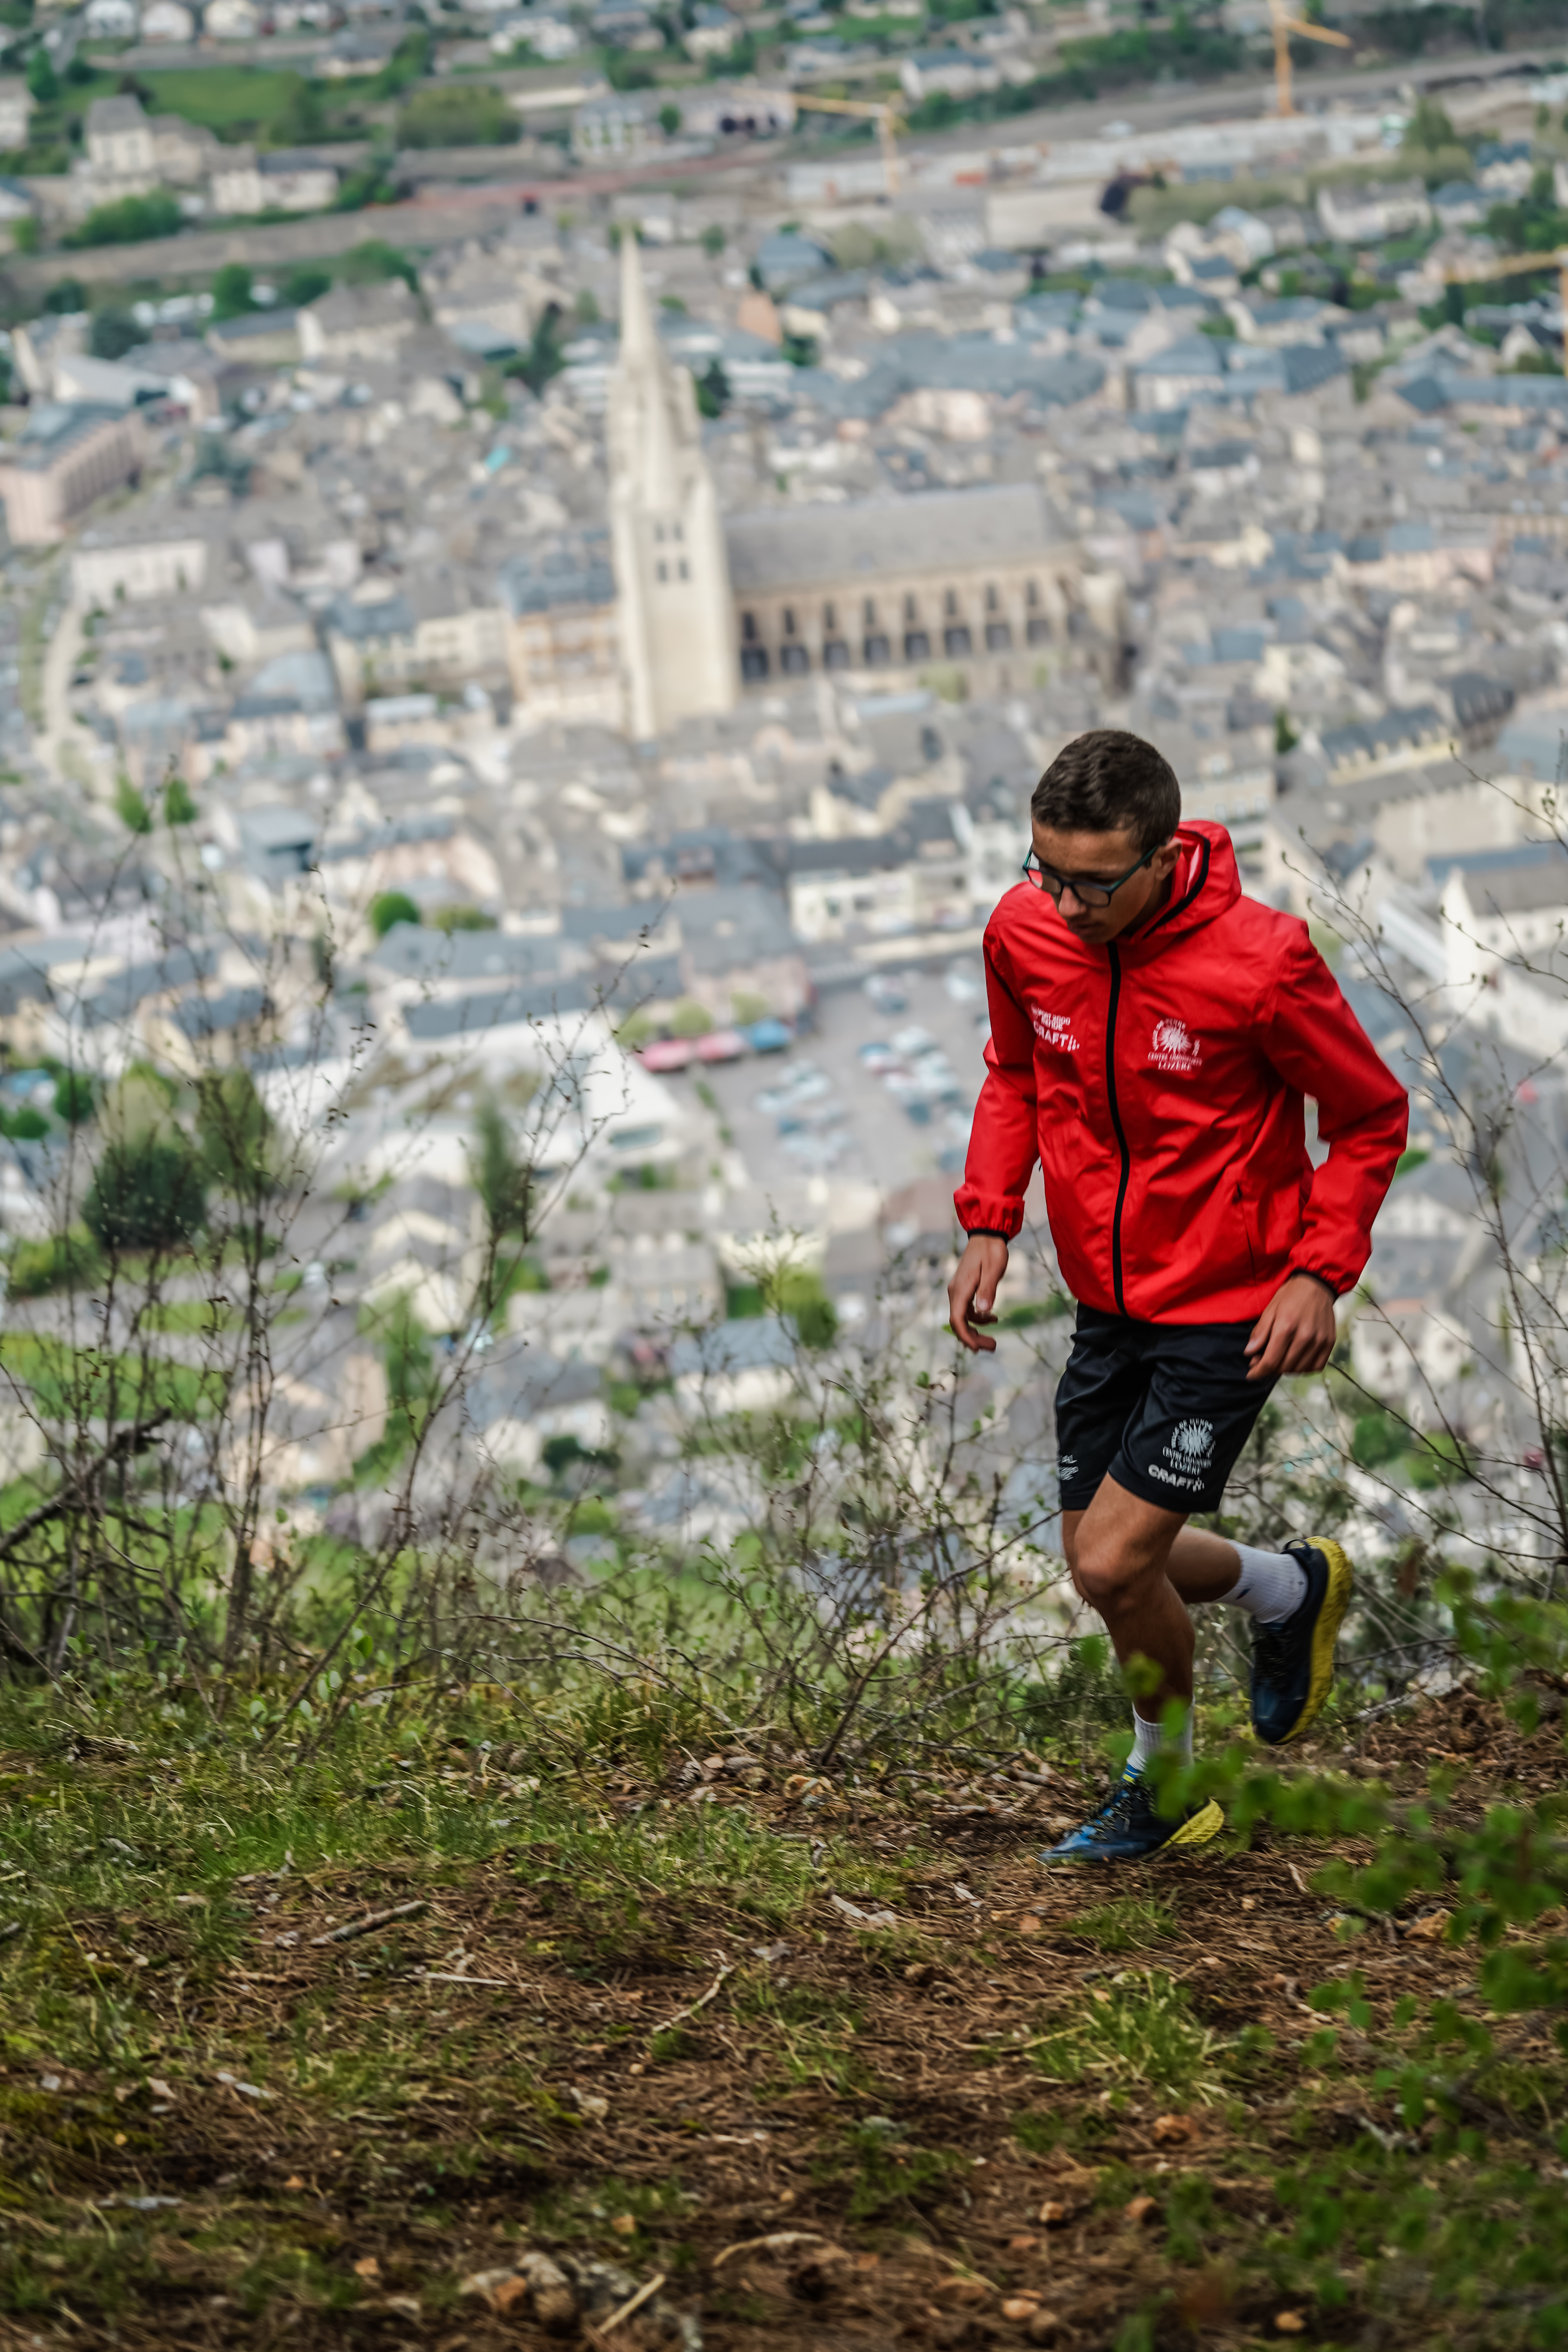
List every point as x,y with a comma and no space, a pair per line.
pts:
131,807
1125,1925
1136,2029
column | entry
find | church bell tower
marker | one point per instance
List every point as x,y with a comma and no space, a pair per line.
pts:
673,573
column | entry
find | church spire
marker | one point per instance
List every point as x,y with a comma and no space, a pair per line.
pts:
638,343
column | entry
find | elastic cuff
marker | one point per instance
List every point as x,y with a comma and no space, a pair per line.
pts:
1330,1287
986,1233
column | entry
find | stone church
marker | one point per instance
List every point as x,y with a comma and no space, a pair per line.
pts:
696,608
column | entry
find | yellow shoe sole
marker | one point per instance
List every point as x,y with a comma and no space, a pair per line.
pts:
1326,1634
1207,1824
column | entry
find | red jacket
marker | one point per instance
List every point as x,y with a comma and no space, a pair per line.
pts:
1159,1082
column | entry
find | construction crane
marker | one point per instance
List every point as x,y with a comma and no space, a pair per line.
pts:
886,113
1284,24
1517,265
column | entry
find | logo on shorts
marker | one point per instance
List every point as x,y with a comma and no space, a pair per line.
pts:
1067,1466
1053,1029
1174,1048
1189,1450
1191,1444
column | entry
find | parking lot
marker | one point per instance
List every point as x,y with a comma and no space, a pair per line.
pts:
883,1089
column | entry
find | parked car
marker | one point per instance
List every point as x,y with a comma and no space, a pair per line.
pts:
769,1036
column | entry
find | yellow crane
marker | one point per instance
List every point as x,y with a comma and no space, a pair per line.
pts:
887,114
1284,24
1517,265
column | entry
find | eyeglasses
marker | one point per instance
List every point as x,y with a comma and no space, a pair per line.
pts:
1087,894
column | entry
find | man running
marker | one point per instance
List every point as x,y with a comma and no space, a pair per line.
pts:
1152,1035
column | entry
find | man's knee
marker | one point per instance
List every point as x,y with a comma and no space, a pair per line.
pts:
1102,1571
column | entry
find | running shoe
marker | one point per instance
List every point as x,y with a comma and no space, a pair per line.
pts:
1293,1662
1128,1828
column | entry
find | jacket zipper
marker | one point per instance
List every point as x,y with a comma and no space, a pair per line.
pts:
1115,1123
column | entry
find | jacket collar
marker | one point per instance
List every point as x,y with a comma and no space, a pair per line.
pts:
1205,884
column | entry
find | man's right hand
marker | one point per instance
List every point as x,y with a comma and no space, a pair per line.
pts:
972,1293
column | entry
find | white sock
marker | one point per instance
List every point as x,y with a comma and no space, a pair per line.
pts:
1271,1586
1149,1740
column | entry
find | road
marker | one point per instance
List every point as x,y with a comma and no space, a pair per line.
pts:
64,745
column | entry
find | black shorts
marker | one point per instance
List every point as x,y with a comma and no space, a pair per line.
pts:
1163,1408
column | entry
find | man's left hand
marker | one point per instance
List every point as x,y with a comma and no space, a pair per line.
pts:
1295,1332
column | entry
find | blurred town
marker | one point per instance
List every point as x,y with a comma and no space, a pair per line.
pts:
554,540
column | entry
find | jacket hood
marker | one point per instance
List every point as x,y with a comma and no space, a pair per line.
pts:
1205,884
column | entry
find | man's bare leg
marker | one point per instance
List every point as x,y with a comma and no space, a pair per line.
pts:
1138,1566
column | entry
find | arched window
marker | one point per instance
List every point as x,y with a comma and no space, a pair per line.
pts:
749,628
788,616
950,604
992,600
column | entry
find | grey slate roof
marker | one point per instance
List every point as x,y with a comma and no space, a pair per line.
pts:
956,529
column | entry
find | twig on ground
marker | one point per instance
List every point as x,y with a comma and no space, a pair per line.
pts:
624,2311
726,1969
346,1935
781,2242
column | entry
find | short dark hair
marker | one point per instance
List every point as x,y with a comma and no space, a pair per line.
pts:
1110,782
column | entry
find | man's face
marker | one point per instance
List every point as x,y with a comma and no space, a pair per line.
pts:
1103,857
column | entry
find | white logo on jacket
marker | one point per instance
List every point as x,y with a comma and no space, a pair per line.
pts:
1053,1029
1173,1048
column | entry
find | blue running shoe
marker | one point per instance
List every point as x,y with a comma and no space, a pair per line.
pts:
1127,1827
1293,1662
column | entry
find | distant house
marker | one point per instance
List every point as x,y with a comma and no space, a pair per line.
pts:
15,112
353,52
232,20
288,180
120,140
563,643
360,322
712,33
624,25
1370,211
786,260
68,455
1190,369
290,705
621,125
824,57
950,73
1460,204
17,202
169,20
110,20
551,37
264,338
434,630
183,152
1505,167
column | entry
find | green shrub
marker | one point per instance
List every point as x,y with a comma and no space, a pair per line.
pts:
389,909
129,221
67,1261
146,1193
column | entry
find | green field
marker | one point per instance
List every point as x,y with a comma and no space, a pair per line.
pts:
233,101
